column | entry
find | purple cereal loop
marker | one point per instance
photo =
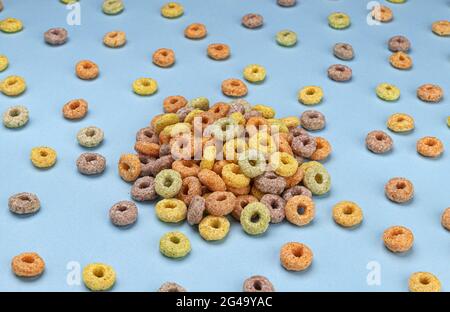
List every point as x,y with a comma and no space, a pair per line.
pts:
91,163
196,210
275,204
340,73
295,191
183,112
251,114
399,44
147,135
252,20
123,213
303,145
258,283
143,189
270,183
312,120
164,150
379,142
55,36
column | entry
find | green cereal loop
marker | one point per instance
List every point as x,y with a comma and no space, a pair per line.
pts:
201,103
286,38
68,1
339,20
190,117
317,180
171,210
166,120
213,228
255,218
448,121
168,183
172,10
4,63
174,245
388,92
15,117
112,7
90,136
397,1
252,163
225,129
309,164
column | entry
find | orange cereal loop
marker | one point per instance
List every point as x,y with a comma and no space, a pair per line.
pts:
220,203
295,256
430,147
219,110
256,193
87,70
430,93
190,187
300,210
382,13
147,148
323,149
75,109
186,168
129,167
398,239
218,51
283,146
212,180
28,264
164,57
173,103
401,60
206,119
195,31
257,122
239,191
295,179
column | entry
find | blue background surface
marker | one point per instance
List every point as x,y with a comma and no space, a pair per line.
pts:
73,223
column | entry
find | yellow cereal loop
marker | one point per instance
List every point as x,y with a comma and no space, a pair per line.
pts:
263,142
172,10
3,63
190,117
291,121
164,121
233,176
266,111
238,118
424,282
310,164
310,95
145,86
209,157
99,276
13,86
400,123
43,157
213,228
254,73
277,126
285,165
11,25
171,210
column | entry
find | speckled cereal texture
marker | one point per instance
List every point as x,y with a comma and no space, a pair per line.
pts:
99,277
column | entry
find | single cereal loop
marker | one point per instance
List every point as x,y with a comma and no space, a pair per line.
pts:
296,190
171,210
347,214
75,109
28,265
286,38
115,39
147,148
430,93
129,167
196,210
56,36
399,190
310,95
11,25
174,245
13,86
163,57
343,51
312,120
16,117
382,13
255,218
388,92
283,164
233,176
430,147
323,149
441,28
270,183
213,228
400,123
186,168
317,180
190,188
163,121
398,239
339,20
295,179
172,10
252,20
379,142
24,203
220,203
254,73
240,203
300,210
112,7
445,219
218,51
401,60
212,180
91,163
195,31
99,277
258,283
234,88
201,103
423,282
340,73
252,163
295,256
4,62
144,189
174,103
171,287
90,137
276,205
123,213
87,70
399,43
43,157
168,183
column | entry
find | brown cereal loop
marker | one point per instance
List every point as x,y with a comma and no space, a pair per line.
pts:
398,239
186,168
323,150
173,103
430,147
379,142
28,264
401,60
220,203
441,28
129,167
258,283
190,187
382,13
234,88
300,210
295,256
445,219
212,180
75,109
195,31
218,51
164,57
86,70
430,93
240,203
399,190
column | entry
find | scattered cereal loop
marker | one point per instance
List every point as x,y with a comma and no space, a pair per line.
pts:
145,86
56,36
112,7
43,157
13,86
339,20
115,39
424,282
441,28
11,25
15,117
172,10
175,245
28,265
258,283
99,277
4,62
